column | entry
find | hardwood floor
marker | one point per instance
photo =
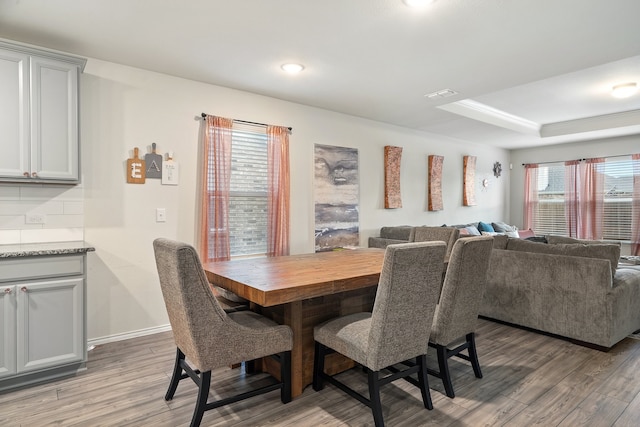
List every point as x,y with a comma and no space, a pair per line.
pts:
529,379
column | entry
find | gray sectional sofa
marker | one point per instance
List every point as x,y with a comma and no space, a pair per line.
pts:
571,288
574,289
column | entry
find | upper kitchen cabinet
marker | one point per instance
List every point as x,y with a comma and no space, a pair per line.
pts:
39,123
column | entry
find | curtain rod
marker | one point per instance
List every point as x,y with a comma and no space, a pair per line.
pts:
576,160
204,116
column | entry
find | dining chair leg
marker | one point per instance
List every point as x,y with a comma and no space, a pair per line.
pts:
204,384
473,354
445,376
318,366
176,376
285,376
374,398
424,381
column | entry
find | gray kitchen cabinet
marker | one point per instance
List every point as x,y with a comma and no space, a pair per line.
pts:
42,318
39,127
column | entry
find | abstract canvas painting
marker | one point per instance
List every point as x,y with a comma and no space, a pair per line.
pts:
336,196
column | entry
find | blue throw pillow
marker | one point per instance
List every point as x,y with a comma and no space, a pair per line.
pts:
483,226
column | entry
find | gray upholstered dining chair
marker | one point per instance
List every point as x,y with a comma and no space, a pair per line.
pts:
397,328
207,337
449,235
456,315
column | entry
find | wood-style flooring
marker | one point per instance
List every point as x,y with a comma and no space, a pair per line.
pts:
529,379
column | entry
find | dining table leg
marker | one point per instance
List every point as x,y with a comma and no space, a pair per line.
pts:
293,318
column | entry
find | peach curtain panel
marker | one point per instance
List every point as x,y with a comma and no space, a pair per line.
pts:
584,198
571,196
635,207
278,191
216,179
530,195
591,200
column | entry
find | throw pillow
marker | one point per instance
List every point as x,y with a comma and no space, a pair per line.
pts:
483,226
472,230
525,234
503,227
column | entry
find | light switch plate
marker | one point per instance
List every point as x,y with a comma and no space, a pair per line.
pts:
161,215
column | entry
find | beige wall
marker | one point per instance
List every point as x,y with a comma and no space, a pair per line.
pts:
124,107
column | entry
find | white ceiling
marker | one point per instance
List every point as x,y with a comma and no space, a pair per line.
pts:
522,67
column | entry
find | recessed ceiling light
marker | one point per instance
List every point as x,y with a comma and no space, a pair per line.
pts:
624,90
292,68
417,3
444,93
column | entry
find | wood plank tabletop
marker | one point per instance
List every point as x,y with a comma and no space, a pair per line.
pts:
277,280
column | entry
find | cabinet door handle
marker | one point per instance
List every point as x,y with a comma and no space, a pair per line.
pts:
24,289
26,174
7,290
34,174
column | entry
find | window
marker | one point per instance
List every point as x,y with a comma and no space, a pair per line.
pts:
245,189
618,195
550,218
248,194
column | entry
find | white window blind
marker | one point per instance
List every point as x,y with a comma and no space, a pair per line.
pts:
618,193
550,218
248,195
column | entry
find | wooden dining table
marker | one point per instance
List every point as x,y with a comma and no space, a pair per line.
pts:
302,291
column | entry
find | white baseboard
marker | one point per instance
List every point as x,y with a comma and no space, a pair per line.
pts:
127,335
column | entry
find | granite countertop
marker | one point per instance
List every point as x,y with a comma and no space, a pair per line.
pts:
44,249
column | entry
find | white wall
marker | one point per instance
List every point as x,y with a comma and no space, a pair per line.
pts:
124,107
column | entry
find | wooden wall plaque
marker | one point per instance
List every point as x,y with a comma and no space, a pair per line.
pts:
434,195
392,160
136,169
469,176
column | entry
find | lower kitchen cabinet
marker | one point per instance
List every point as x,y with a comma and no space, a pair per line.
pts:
42,318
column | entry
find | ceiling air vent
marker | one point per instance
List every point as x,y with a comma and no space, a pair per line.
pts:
444,93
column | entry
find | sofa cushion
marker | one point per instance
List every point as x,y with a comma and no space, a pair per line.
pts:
553,239
500,241
610,252
398,232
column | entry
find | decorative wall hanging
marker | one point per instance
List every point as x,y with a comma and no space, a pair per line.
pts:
485,184
153,163
434,195
135,169
392,160
469,173
336,195
497,169
170,171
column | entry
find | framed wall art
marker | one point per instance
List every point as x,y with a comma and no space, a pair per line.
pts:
468,181
434,193
392,160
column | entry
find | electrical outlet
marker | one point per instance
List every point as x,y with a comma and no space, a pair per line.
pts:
161,215
36,218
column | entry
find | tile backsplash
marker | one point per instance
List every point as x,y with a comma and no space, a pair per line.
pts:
38,213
